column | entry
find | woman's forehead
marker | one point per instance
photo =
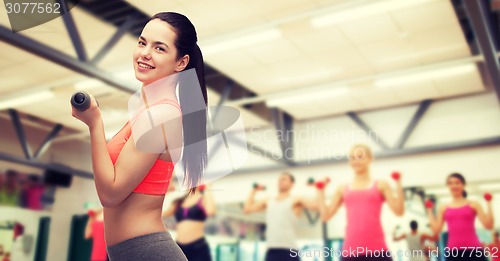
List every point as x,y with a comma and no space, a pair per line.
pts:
158,30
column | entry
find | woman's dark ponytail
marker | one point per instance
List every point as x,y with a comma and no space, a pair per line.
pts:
194,156
194,122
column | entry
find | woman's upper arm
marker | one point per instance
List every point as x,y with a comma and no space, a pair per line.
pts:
387,191
134,163
480,213
440,218
337,198
209,206
88,230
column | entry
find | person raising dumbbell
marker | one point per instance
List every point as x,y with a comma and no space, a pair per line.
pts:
282,214
415,241
363,199
133,170
190,212
460,215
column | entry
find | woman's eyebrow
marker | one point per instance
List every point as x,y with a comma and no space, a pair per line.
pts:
157,42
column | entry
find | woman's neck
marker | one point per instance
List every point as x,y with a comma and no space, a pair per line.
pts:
161,89
362,175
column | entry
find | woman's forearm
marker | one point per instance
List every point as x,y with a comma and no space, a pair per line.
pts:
432,221
401,198
322,208
104,171
210,203
489,214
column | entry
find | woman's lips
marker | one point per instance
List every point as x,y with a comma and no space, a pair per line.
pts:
143,67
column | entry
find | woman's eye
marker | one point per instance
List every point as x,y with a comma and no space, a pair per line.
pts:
142,43
160,49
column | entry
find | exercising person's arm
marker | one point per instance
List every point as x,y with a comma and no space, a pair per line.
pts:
436,223
425,237
401,237
485,218
116,182
395,202
88,228
170,210
254,206
397,238
330,211
209,203
306,203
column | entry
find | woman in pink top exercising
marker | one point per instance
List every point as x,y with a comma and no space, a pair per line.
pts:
460,215
363,199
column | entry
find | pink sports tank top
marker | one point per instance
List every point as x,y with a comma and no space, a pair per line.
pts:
364,228
461,231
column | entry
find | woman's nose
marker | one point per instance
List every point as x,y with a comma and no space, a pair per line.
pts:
146,52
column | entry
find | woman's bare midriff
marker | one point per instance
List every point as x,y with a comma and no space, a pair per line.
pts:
137,215
188,231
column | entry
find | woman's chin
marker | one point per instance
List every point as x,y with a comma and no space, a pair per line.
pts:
141,78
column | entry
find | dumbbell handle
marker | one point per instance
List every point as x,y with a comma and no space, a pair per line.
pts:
80,100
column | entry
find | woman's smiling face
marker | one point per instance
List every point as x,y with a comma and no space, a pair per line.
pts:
155,56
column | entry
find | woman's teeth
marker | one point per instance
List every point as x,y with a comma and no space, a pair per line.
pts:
145,66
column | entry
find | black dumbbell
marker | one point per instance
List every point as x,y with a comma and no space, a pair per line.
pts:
80,101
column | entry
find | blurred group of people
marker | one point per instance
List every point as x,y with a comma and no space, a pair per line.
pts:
363,198
21,190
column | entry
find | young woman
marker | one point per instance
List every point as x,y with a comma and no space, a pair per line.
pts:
95,231
191,211
363,199
131,184
460,215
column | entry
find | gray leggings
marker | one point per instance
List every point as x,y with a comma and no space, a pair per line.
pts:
151,247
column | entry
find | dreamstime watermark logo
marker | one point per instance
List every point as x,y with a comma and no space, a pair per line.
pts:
25,14
319,141
156,118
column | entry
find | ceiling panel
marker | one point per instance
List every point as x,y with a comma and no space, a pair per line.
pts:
302,110
436,13
371,29
313,41
380,53
440,43
271,10
416,91
370,97
460,84
238,59
273,51
339,105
